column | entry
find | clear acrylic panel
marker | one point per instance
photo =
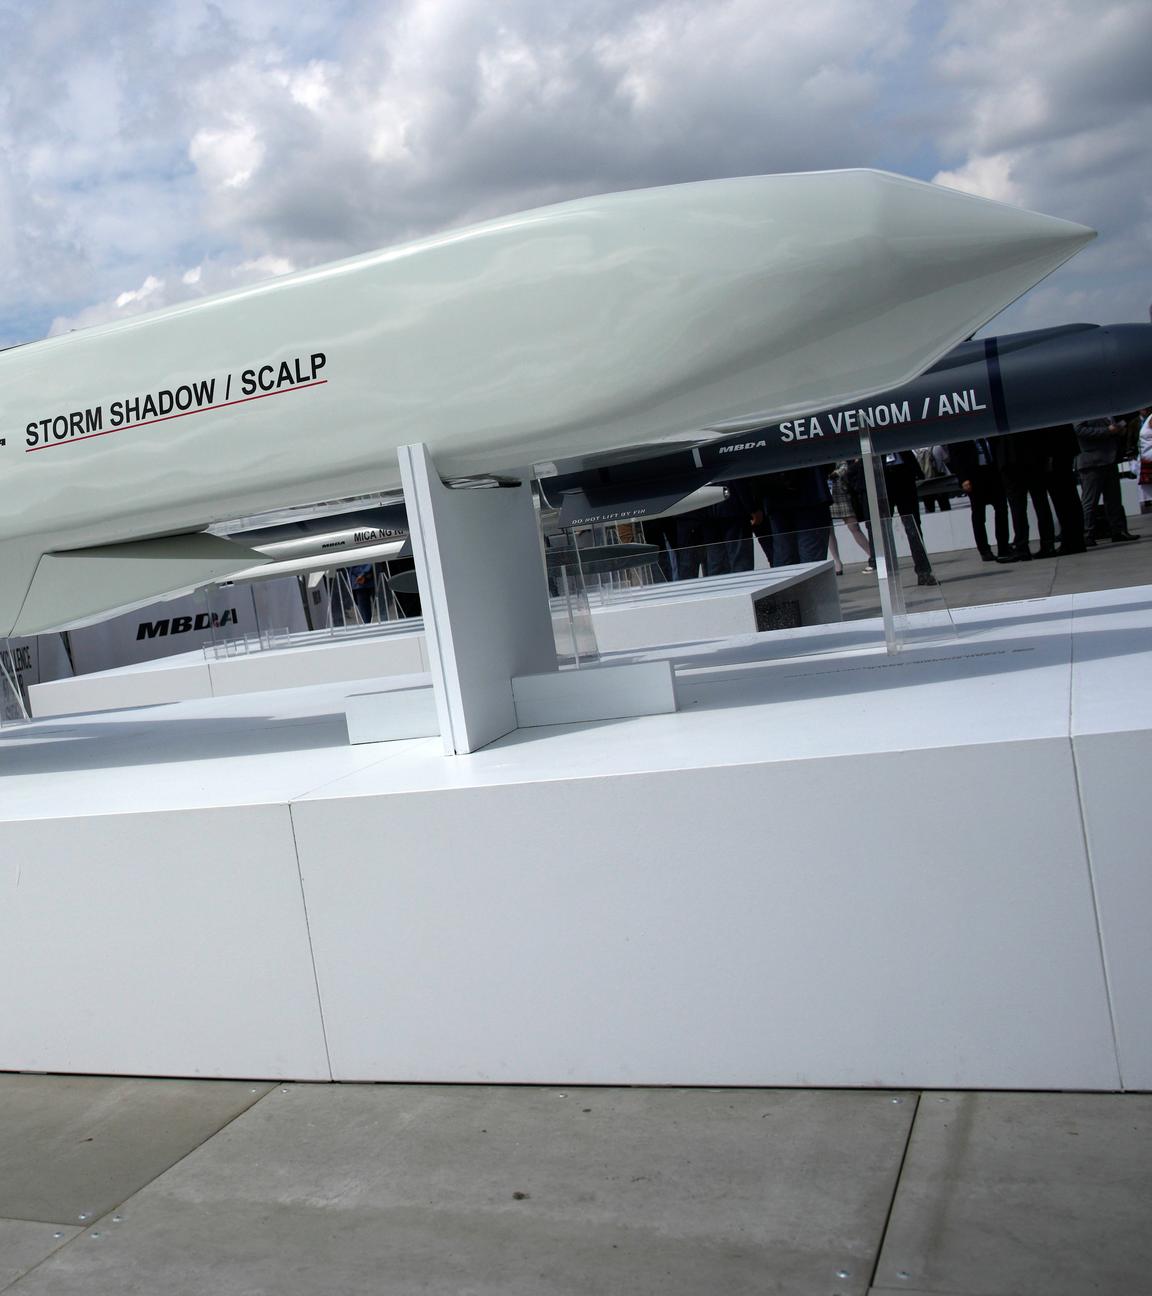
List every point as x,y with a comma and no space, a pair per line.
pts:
921,614
231,619
611,565
752,596
907,601
912,601
572,625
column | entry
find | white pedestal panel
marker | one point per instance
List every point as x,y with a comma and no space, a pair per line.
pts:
153,684
351,659
712,607
1112,737
390,715
716,926
191,675
1113,770
157,944
942,532
595,693
952,530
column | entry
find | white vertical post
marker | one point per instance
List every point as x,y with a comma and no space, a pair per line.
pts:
484,597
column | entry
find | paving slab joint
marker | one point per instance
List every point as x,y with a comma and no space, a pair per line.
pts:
895,1190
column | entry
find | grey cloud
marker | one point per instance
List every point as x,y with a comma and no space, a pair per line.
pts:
548,100
144,141
1054,110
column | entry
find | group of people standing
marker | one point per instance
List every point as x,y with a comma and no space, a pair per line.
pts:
1069,475
789,514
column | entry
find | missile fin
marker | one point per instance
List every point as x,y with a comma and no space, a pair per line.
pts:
79,586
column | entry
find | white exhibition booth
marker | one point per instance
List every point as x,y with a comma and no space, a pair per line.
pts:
809,862
714,856
831,869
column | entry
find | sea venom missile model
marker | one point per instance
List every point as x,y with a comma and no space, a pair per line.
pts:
982,388
659,315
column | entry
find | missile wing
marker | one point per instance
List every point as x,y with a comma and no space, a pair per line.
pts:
981,388
672,314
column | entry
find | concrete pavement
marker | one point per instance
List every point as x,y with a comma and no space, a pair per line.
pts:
115,1187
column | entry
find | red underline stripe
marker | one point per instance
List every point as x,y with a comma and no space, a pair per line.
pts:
167,418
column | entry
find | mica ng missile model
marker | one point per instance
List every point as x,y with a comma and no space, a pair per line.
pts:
315,563
324,533
378,533
982,388
324,542
601,325
371,526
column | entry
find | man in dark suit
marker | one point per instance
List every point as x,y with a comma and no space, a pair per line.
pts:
799,508
1019,457
974,469
727,531
1060,448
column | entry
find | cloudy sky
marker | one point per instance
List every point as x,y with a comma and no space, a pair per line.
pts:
154,150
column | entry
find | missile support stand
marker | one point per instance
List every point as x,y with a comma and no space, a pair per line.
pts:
488,628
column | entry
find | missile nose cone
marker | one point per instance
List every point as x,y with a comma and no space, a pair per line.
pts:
952,235
951,260
872,277
979,229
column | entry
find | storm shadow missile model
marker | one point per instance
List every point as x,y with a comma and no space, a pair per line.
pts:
595,327
982,388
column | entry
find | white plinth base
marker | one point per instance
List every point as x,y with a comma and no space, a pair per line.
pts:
402,711
825,870
714,607
556,697
396,649
596,693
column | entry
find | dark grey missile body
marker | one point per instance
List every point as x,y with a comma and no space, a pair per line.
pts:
982,388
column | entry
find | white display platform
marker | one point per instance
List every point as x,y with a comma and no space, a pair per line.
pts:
952,530
711,607
394,649
832,869
683,611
